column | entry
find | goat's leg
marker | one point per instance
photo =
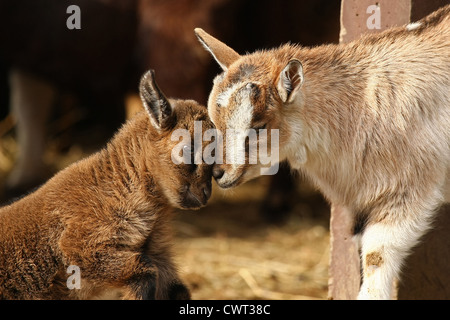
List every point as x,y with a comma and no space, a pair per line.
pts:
31,102
178,291
384,247
148,283
141,277
135,272
142,286
169,284
145,286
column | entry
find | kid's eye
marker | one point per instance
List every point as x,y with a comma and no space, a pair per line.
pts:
188,157
261,127
187,150
188,154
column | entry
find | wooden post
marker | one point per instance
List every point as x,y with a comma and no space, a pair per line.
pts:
344,280
427,273
371,16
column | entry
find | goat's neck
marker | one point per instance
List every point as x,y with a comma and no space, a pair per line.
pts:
125,166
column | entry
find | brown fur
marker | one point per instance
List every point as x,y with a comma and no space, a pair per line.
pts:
368,122
108,214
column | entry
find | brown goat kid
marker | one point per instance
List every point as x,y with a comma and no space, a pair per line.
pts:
109,214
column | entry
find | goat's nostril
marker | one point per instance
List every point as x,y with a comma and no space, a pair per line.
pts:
218,172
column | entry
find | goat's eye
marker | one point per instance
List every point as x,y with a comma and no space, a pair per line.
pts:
187,150
261,127
188,154
189,157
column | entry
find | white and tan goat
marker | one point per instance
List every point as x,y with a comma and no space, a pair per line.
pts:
368,122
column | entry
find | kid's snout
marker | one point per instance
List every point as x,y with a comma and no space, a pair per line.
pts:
218,172
227,178
198,196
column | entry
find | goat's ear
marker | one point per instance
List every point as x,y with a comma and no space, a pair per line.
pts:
290,80
154,101
223,54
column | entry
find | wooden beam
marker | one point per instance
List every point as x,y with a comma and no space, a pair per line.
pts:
344,280
357,16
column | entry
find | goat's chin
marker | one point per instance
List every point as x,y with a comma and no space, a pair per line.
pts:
190,202
183,206
239,177
231,181
190,208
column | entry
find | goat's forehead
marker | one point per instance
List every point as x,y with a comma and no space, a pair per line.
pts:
230,103
224,95
232,107
240,73
188,114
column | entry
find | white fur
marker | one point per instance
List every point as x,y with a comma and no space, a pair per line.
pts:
223,99
242,116
390,244
413,26
237,128
393,241
239,121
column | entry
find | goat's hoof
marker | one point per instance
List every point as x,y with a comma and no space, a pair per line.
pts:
179,291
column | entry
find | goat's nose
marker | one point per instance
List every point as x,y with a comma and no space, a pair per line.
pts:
218,172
